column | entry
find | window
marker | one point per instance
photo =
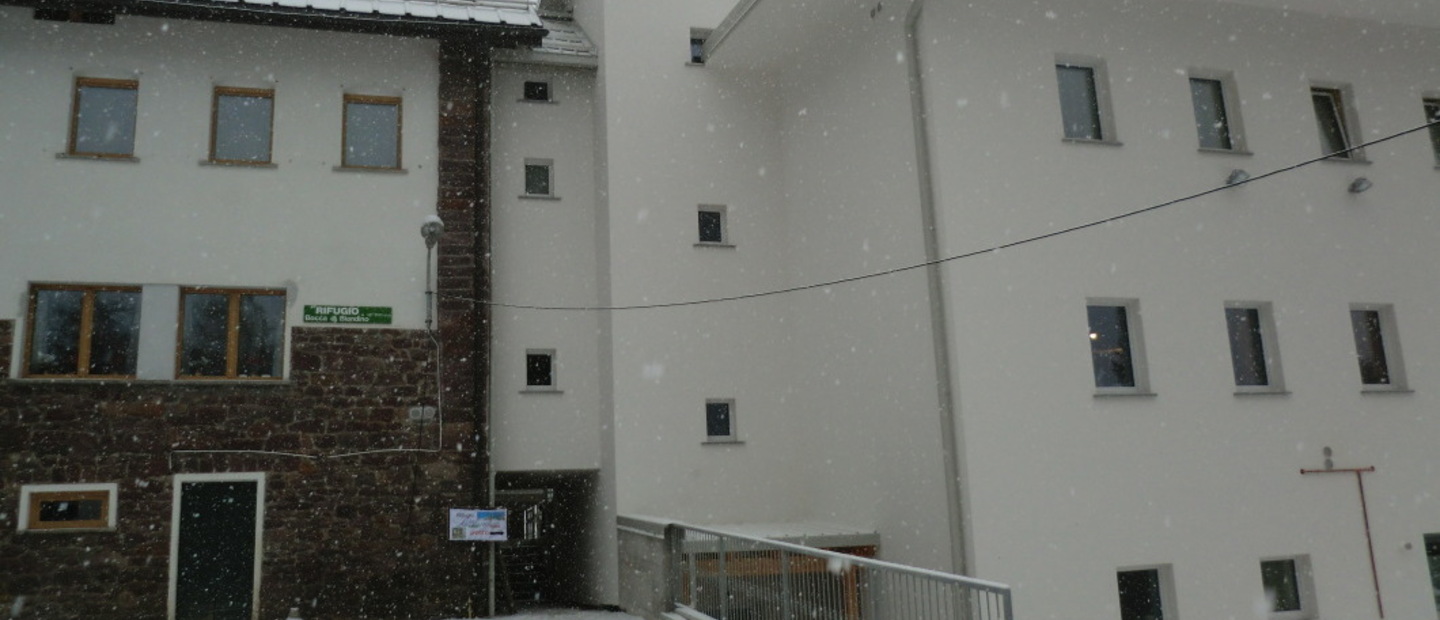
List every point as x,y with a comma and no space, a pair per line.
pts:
1217,118
1115,351
1084,100
1253,353
241,125
540,369
1146,593
720,421
231,333
1377,348
712,223
1432,115
60,507
1287,588
1432,556
372,132
1335,122
536,91
539,177
102,122
698,36
82,331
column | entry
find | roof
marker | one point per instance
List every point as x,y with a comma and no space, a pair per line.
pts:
498,12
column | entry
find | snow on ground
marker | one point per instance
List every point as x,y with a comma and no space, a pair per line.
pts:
568,614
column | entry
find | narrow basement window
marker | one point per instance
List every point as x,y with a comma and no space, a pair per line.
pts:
67,507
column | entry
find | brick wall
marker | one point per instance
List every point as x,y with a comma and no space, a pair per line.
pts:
345,537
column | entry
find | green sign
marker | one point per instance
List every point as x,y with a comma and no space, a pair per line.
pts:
355,315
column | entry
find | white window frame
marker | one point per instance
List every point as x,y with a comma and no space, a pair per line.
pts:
1390,339
1343,97
554,386
703,36
1268,340
1104,107
31,494
1166,575
724,211
1228,94
734,436
1138,366
549,165
1304,582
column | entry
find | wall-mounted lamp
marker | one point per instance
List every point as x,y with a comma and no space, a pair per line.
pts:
430,231
1237,176
1360,184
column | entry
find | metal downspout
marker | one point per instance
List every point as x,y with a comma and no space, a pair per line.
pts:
939,325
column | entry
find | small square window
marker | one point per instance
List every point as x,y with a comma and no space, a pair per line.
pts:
1116,352
540,368
1084,100
720,420
82,331
1335,121
62,507
1254,357
1216,118
232,333
102,122
372,132
1432,115
698,36
1288,589
537,90
241,125
1145,594
539,177
1377,346
712,222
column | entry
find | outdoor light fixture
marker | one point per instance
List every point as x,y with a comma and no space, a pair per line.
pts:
1360,184
1237,176
430,231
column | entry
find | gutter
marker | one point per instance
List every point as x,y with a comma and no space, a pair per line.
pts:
948,404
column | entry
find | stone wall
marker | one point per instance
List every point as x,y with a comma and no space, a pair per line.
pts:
360,536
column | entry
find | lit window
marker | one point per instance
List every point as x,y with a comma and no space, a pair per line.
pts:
1115,347
720,420
1287,588
61,507
102,122
539,177
1432,115
1253,352
1213,114
539,368
372,132
1377,348
1145,594
1333,119
241,125
537,91
232,333
1084,100
713,225
83,331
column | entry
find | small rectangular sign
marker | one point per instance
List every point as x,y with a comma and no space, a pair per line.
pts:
355,315
485,525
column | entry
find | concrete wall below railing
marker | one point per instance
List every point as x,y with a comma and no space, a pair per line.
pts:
642,565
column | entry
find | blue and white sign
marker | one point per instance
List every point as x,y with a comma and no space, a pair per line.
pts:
484,525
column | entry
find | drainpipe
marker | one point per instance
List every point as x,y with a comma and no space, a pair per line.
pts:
939,325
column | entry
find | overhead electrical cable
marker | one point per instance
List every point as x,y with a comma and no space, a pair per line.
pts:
947,259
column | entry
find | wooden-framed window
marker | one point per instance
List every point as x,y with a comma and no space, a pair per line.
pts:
231,333
102,118
77,330
62,507
242,125
371,137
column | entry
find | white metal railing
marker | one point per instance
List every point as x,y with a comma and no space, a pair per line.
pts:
728,576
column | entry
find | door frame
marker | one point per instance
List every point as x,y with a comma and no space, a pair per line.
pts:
177,483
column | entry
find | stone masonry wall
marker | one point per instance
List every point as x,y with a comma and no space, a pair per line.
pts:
344,537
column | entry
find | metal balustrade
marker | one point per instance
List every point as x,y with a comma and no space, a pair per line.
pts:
724,576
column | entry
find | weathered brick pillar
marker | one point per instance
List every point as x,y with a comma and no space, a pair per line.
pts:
464,262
